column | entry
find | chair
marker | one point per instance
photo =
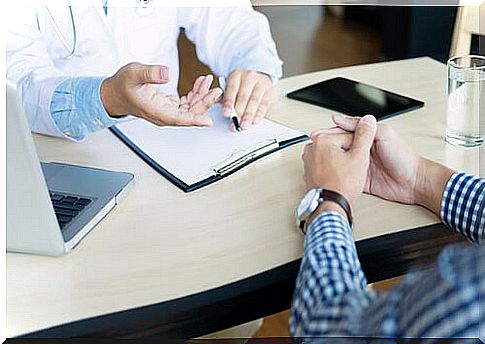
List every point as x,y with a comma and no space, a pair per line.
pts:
469,20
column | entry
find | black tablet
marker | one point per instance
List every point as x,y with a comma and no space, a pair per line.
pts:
355,98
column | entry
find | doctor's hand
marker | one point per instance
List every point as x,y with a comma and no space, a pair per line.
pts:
395,171
132,91
250,93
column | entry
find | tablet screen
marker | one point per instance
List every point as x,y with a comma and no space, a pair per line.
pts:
356,99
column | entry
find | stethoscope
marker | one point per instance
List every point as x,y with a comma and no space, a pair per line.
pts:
143,7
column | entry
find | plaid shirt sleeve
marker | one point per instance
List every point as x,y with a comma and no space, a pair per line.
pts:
331,296
463,206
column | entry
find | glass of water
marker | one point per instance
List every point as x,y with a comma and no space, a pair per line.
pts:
465,120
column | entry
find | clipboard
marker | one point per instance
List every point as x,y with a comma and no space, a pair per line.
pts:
191,157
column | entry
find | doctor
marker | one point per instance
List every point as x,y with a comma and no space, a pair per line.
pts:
79,68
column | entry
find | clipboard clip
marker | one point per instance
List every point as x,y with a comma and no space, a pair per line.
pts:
232,163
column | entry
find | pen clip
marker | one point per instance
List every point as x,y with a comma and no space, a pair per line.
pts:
231,164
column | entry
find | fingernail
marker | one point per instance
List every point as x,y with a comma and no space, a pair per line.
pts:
257,120
338,117
245,124
165,73
369,119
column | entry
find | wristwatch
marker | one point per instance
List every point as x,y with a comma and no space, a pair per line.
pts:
312,199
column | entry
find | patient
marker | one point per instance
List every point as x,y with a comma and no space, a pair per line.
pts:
331,298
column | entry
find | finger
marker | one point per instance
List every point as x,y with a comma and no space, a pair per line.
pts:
342,140
327,131
184,104
345,122
202,89
197,83
189,96
263,106
185,119
364,134
149,74
242,99
253,105
206,102
230,93
206,84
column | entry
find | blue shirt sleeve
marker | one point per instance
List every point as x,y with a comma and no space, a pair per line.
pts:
463,206
331,297
331,287
77,109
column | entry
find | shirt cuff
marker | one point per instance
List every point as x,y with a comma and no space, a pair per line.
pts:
259,59
330,222
462,205
77,109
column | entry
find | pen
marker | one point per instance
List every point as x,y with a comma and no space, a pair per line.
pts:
235,121
234,118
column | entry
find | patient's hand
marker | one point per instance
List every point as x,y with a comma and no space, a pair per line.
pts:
396,172
340,162
131,91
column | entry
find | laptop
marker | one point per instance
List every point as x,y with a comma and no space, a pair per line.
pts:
52,206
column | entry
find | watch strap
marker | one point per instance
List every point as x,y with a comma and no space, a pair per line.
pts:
332,196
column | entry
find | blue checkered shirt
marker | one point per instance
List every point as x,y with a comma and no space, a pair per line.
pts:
331,298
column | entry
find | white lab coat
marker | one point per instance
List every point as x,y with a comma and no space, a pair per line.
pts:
36,57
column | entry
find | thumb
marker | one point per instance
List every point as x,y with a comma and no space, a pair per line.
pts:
150,74
365,133
345,122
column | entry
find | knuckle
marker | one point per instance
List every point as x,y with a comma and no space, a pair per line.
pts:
146,73
317,139
133,66
251,73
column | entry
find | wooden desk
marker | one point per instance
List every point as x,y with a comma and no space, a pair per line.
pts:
188,264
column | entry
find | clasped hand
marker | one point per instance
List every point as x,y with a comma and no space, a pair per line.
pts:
360,156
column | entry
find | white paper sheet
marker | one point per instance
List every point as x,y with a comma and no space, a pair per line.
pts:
191,153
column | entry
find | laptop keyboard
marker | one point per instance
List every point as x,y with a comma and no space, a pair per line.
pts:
67,207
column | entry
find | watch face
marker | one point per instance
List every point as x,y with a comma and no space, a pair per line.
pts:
308,204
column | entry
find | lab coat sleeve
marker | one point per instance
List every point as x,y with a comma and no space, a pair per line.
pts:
31,69
227,38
